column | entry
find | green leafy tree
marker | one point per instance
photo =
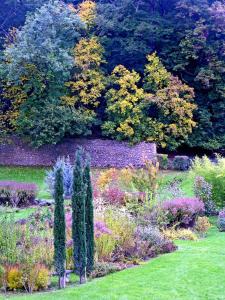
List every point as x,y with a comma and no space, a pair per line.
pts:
45,42
89,218
59,230
78,216
189,39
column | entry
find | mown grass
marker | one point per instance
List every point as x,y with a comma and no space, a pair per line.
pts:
37,175
195,271
27,174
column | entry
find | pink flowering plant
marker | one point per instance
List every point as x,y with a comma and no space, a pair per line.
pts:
101,229
182,211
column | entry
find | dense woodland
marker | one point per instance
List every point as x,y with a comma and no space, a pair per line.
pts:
135,70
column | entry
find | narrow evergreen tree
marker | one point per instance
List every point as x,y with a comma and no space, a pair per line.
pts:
89,213
59,230
78,225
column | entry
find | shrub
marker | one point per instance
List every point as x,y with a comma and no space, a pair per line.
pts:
163,161
106,177
104,268
203,191
146,179
121,225
182,211
202,225
17,193
42,279
105,242
14,278
9,238
113,230
151,242
150,234
180,234
125,178
181,163
214,174
69,256
136,203
221,220
67,170
114,196
170,190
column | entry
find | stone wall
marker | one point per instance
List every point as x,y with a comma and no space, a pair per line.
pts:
104,153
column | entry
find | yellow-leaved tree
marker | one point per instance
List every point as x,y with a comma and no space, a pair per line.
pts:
123,111
161,111
88,83
87,12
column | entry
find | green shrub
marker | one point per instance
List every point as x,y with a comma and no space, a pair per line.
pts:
163,161
181,163
214,174
9,238
104,268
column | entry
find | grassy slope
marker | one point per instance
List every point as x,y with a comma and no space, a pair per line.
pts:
196,271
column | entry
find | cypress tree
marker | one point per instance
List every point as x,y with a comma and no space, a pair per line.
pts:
59,230
78,224
89,211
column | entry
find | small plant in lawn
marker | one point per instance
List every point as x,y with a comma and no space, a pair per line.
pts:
221,220
59,230
202,225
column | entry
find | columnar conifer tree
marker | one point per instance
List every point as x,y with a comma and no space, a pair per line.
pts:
89,218
78,224
59,230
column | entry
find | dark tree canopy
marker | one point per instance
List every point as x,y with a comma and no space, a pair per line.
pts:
187,35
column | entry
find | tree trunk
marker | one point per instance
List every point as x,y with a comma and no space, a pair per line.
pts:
62,281
83,279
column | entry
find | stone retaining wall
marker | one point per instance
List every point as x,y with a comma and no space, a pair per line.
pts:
104,153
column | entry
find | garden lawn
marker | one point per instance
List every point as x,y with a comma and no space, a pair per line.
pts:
37,175
196,271
27,174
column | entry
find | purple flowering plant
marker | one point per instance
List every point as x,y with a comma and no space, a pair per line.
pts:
182,211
